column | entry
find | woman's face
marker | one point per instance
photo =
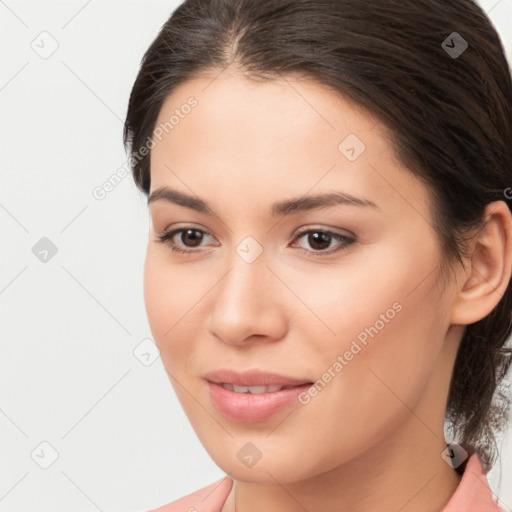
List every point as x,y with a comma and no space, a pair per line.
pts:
315,260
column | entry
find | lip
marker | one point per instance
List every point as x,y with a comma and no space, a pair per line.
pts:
248,407
252,378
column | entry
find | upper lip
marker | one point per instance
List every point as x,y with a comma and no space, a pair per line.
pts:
252,378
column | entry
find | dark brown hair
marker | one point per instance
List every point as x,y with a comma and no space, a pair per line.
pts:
448,109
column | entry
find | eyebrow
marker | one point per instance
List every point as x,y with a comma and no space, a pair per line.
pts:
286,207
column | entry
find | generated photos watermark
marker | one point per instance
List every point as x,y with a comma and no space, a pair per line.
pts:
356,346
100,192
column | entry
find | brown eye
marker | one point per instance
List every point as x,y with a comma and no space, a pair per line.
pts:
188,239
319,240
194,235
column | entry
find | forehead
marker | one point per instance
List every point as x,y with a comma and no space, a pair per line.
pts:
266,137
233,108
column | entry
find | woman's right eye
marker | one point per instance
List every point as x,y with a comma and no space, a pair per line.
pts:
193,234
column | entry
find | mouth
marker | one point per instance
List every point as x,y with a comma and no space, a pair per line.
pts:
253,396
257,390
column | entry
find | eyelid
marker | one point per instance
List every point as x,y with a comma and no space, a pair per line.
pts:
325,229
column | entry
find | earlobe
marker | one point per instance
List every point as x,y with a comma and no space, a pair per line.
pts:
489,269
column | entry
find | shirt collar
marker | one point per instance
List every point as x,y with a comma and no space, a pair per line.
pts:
473,493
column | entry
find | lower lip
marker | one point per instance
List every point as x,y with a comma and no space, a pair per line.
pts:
252,408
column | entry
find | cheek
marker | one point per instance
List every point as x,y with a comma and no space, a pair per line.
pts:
388,355
356,303
372,391
169,297
389,301
387,328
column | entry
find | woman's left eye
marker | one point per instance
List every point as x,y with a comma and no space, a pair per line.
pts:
320,237
317,239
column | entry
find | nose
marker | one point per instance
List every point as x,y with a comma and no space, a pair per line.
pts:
248,304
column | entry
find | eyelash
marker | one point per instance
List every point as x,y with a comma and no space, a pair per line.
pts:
166,238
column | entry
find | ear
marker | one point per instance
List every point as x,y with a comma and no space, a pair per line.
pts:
489,267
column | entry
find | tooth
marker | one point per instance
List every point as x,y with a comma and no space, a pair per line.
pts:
256,390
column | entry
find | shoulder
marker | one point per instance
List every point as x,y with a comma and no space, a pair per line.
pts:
210,498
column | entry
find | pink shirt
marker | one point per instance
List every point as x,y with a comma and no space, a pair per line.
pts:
473,494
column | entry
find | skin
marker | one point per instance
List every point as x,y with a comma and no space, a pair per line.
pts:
372,438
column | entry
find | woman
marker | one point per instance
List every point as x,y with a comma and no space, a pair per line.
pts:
328,270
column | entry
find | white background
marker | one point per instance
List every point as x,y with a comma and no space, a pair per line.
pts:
68,374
